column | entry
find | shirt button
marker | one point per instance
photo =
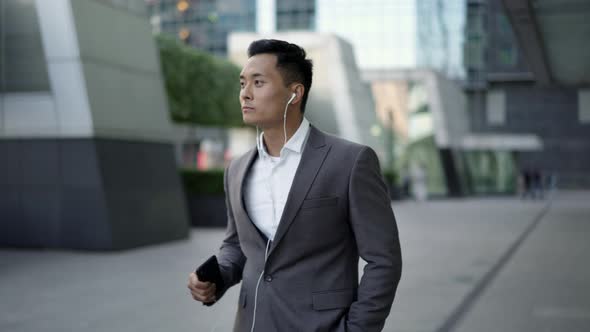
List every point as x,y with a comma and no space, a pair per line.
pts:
268,278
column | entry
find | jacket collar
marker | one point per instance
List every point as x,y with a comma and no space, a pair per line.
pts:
313,156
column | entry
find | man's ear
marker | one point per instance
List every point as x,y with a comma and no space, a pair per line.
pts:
298,89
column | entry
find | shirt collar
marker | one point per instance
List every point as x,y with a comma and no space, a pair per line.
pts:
295,143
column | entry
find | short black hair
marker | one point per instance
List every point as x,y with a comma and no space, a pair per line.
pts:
291,62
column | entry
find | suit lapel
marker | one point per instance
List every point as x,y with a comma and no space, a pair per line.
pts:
312,159
239,191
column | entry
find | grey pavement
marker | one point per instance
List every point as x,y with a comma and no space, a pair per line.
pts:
495,264
545,286
448,247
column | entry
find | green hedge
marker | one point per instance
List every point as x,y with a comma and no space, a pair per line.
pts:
390,176
208,182
201,88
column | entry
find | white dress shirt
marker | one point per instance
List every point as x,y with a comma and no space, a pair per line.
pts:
268,183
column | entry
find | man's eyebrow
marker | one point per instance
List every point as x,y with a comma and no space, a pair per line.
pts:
253,75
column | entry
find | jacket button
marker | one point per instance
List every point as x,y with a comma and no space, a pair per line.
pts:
268,278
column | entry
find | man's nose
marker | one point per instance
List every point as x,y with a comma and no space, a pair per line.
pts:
245,93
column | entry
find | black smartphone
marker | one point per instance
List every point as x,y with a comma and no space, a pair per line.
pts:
209,271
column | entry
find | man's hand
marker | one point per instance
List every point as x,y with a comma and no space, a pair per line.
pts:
200,290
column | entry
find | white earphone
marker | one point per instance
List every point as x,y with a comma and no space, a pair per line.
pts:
285,115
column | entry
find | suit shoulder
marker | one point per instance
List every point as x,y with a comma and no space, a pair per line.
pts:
345,145
239,161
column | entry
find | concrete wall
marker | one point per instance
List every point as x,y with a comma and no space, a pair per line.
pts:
446,101
89,163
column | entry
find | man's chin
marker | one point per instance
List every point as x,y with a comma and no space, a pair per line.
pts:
257,121
249,121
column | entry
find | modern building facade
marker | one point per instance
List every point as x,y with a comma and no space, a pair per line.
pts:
204,24
384,34
295,15
86,155
392,35
527,73
426,112
433,139
440,36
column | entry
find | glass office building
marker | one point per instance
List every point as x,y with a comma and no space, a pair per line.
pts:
382,32
385,34
203,24
399,34
295,15
491,48
505,96
440,35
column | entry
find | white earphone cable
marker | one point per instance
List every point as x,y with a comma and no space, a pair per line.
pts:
257,285
285,117
259,145
285,124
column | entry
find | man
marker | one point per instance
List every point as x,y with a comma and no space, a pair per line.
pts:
302,206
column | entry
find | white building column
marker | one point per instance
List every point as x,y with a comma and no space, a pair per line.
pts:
266,16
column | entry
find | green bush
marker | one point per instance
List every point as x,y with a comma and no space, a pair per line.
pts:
390,176
208,182
201,88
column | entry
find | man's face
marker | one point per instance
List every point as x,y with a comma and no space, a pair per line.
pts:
263,94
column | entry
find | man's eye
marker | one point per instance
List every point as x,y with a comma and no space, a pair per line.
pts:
242,84
258,83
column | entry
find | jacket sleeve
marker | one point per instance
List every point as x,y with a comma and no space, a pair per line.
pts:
230,257
376,234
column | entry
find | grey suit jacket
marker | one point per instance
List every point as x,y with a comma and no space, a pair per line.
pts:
338,208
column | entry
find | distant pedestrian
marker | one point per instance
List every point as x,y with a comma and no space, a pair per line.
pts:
419,187
526,179
537,184
520,185
551,183
406,185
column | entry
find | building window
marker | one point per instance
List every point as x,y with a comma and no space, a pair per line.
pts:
496,107
22,59
584,106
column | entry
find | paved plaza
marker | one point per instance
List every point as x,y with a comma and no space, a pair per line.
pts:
477,264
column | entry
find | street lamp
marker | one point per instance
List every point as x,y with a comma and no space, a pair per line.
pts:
184,34
182,5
